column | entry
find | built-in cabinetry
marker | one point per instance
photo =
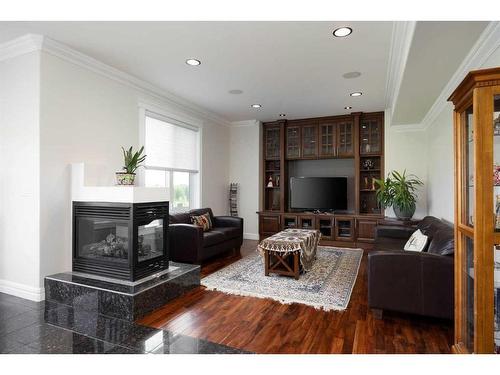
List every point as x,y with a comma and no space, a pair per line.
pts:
358,136
477,212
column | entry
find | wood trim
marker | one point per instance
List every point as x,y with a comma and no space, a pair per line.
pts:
483,223
477,89
468,231
357,162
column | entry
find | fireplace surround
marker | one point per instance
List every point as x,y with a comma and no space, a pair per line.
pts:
126,241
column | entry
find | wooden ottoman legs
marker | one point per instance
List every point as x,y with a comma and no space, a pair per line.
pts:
280,266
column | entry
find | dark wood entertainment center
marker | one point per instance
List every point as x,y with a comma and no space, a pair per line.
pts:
358,137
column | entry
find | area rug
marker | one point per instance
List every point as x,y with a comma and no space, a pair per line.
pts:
328,285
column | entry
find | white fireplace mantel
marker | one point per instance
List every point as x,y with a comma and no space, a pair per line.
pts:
118,194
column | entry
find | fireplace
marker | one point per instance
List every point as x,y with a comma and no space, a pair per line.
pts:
125,241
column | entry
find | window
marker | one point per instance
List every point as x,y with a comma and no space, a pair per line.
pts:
172,149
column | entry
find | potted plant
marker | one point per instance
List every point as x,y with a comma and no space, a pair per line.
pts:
132,161
399,191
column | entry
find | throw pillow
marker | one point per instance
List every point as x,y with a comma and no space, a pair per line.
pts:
417,241
202,221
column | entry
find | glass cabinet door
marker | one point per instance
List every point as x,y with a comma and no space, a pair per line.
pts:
309,141
469,168
293,142
495,125
272,136
345,143
327,139
370,133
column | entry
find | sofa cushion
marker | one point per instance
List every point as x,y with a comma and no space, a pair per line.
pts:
429,225
228,232
213,238
390,244
202,221
417,241
442,242
201,211
181,218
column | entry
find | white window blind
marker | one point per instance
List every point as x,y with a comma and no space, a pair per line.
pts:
170,145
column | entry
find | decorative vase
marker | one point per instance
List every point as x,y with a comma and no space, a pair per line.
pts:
403,214
124,178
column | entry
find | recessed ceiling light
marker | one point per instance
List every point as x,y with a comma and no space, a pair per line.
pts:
350,75
256,106
236,92
342,32
348,107
357,93
193,62
282,115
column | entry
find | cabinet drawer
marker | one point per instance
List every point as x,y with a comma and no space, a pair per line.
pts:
269,223
366,230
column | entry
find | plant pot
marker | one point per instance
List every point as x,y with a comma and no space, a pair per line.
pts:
124,178
404,214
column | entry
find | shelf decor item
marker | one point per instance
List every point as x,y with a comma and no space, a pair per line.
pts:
270,182
496,174
496,126
132,161
368,164
399,191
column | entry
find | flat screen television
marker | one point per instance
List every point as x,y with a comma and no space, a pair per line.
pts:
318,193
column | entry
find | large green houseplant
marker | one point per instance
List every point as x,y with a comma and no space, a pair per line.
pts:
131,160
399,191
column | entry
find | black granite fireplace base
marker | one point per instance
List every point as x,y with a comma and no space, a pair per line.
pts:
28,327
121,299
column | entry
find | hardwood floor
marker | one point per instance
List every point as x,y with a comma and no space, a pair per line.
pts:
265,326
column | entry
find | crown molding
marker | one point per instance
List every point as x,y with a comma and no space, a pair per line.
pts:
244,123
33,42
401,40
20,46
485,46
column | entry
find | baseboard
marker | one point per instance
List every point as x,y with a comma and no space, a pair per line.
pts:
22,290
250,236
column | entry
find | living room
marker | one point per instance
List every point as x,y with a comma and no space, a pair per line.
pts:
249,186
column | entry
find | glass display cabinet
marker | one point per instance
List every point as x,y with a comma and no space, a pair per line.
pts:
477,212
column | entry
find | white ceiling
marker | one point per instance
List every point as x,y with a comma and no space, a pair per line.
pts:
289,67
436,52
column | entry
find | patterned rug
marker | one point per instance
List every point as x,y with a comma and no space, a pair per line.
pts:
328,285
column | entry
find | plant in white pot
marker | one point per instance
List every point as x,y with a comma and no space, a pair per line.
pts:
132,160
399,191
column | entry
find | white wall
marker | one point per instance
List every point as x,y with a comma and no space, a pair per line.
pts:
245,169
440,168
86,117
54,113
19,188
404,147
439,150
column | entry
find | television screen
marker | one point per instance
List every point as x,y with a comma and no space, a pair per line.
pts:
319,193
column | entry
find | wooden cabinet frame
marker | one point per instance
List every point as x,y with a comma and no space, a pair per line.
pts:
477,91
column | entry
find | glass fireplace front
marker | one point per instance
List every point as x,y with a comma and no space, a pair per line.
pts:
104,239
150,240
122,240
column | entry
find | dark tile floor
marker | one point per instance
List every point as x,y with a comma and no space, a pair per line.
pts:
28,327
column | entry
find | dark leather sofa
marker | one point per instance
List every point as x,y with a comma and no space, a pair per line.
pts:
412,282
189,244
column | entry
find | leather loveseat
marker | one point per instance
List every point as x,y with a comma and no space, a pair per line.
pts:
412,282
190,244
